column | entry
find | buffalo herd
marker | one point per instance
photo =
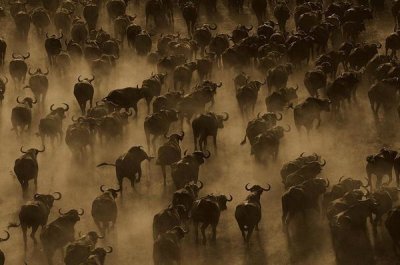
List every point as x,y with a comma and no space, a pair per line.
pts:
158,79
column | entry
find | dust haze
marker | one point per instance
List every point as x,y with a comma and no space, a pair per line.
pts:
344,144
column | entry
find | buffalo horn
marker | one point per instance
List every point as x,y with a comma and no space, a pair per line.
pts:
206,156
109,249
214,27
22,150
51,107
66,107
323,164
246,187
288,130
201,185
18,100
280,114
102,188
368,184
59,195
226,116
81,211
29,71
267,189
231,198
41,151
6,238
327,183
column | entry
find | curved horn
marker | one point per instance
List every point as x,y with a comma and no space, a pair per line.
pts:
119,189
47,71
226,116
73,118
6,238
6,80
324,163
51,107
229,200
368,193
249,28
340,180
214,27
246,187
267,189
61,36
81,212
66,107
297,87
29,71
91,79
258,115
79,78
201,185
184,153
18,100
182,134
36,196
220,84
14,55
204,154
34,101
301,155
59,195
27,55
109,250
367,185
60,212
43,149
327,183
280,114
101,188
22,151
288,130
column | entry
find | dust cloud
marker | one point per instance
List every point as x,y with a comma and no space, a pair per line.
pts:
344,144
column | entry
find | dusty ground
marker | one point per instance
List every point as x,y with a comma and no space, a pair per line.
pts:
343,144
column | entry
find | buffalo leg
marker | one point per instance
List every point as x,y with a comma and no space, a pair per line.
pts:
148,140
203,232
242,230
163,169
214,232
34,229
139,172
196,231
195,136
24,231
249,233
